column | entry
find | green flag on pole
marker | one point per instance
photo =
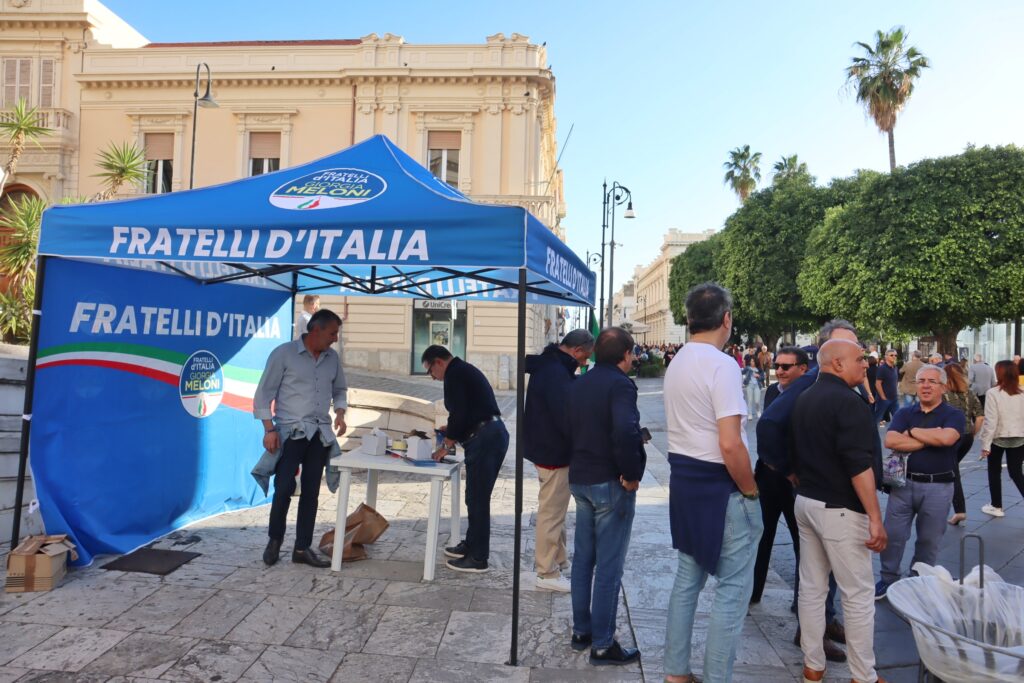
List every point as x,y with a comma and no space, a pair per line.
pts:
595,329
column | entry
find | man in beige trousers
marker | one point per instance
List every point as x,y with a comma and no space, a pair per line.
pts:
547,447
835,446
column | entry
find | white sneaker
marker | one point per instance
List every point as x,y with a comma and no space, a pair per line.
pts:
559,584
992,510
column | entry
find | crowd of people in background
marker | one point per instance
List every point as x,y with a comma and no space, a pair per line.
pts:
835,411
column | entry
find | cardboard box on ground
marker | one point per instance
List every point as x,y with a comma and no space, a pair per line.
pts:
38,563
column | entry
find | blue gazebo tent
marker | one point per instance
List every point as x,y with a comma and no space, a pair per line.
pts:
154,316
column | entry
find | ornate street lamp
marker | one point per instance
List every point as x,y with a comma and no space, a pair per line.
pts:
612,197
207,102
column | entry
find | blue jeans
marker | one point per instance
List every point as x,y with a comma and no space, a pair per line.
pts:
907,400
882,406
604,520
924,503
735,574
484,454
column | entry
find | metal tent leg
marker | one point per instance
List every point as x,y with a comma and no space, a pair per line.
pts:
30,384
520,428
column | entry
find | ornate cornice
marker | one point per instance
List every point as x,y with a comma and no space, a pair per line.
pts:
128,81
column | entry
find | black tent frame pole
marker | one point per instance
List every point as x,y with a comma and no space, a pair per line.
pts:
26,413
520,447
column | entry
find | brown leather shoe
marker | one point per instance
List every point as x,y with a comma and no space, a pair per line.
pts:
812,676
880,680
835,632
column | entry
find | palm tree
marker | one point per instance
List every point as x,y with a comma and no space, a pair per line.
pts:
743,171
20,125
884,79
21,223
788,167
120,164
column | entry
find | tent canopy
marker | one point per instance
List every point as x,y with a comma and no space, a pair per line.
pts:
368,220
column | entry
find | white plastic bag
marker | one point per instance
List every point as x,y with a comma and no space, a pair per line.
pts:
982,619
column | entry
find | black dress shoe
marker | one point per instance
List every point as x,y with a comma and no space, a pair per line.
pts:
456,551
272,552
614,655
310,557
467,564
834,631
581,642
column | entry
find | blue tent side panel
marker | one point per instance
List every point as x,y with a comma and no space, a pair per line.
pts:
142,418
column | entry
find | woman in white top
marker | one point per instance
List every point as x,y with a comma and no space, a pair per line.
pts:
1003,432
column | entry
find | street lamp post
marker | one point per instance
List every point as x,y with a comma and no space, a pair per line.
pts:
643,300
615,196
593,260
207,102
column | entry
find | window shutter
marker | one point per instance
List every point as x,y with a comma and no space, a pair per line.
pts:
10,82
444,139
159,146
46,83
24,79
264,145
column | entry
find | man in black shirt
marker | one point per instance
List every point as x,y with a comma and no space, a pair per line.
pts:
837,508
474,421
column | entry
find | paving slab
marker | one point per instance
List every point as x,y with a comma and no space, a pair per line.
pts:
432,595
378,668
18,639
216,617
408,632
70,650
142,655
443,670
332,586
273,620
82,603
215,661
476,637
162,610
337,626
280,663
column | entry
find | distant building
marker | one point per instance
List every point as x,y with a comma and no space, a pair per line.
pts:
624,305
480,116
652,295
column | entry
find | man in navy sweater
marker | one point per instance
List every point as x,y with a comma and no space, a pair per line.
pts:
605,469
547,447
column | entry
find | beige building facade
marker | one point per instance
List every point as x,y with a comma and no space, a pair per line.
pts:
653,311
480,116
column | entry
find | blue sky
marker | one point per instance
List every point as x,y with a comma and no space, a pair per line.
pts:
659,92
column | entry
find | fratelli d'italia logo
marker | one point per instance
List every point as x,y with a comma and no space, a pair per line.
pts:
329,189
201,384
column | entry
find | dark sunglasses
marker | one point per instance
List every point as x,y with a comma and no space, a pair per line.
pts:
786,366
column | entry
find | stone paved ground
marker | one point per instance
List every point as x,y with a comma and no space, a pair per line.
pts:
226,617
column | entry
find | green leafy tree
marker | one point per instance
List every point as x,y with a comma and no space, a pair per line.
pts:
692,267
120,165
20,125
883,78
743,171
788,167
762,249
930,249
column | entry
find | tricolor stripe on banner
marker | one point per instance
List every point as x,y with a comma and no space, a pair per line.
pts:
152,362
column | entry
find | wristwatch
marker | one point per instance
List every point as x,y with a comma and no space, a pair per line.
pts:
751,496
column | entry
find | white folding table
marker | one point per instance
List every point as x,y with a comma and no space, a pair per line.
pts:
436,472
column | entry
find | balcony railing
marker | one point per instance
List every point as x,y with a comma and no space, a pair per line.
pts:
544,207
57,120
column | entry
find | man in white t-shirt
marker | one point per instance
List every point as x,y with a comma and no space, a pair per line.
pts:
713,504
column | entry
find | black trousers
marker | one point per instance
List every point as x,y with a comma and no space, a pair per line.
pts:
776,499
959,504
1015,466
484,454
311,454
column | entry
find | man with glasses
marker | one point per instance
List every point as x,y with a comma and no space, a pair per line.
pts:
929,431
774,449
474,421
885,385
777,495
